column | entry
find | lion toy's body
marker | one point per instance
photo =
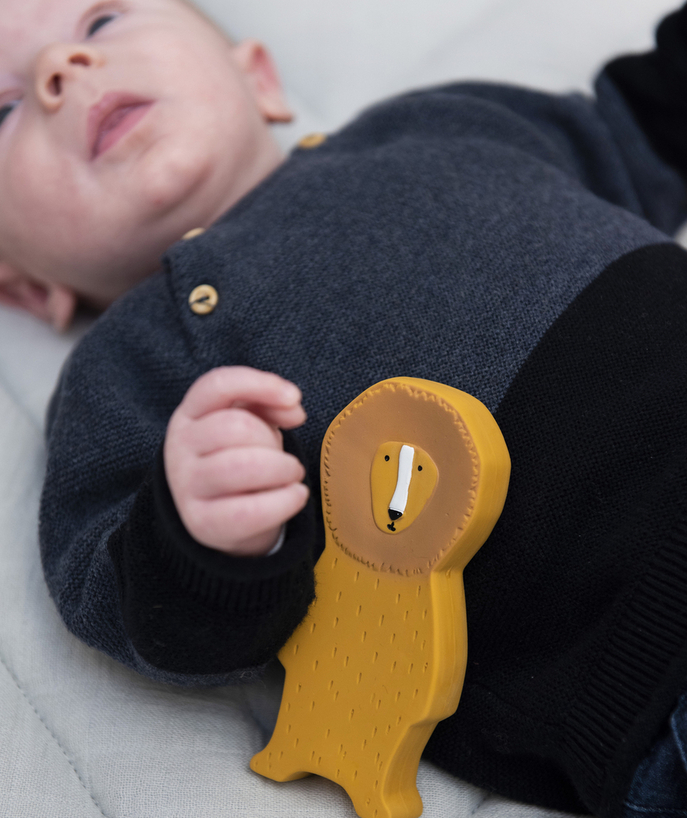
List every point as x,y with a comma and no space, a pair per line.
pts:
414,477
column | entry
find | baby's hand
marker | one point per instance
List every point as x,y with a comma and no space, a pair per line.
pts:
233,484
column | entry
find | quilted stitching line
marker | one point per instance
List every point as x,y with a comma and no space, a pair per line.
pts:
50,732
479,806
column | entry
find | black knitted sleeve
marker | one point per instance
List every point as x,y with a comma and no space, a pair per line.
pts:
654,86
192,609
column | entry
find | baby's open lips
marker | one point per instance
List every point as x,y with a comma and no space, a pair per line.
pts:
112,117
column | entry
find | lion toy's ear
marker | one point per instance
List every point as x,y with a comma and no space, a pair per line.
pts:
414,477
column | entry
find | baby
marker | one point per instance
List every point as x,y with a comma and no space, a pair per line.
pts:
509,243
83,217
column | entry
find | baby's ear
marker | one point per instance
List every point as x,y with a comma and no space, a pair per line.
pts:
256,63
52,303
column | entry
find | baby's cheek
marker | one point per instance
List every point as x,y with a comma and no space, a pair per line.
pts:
29,209
41,194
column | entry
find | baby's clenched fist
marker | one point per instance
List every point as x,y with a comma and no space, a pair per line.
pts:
232,483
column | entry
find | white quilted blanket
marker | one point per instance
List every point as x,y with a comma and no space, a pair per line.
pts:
81,736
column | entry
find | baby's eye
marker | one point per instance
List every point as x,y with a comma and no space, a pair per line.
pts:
98,23
6,110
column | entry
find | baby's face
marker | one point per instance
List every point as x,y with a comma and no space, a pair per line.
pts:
122,125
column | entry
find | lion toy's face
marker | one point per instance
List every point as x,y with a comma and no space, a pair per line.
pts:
408,471
402,480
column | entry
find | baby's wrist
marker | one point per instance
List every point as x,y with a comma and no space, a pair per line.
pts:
260,545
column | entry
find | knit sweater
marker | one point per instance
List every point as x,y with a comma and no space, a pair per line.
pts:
512,244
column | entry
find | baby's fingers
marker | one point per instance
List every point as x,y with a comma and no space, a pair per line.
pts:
229,523
228,428
276,400
242,470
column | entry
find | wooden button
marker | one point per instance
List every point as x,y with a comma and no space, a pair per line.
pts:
203,299
197,231
312,140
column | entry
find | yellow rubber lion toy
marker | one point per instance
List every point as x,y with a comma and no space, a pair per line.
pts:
414,477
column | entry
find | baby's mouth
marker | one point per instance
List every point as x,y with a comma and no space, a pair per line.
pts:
113,117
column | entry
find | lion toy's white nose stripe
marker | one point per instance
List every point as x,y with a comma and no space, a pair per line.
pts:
405,470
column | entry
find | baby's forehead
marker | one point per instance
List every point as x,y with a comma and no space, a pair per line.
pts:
29,24
23,17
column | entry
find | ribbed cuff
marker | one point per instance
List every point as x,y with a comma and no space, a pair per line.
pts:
636,684
235,584
192,610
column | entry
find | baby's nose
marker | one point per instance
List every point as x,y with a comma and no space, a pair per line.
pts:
58,64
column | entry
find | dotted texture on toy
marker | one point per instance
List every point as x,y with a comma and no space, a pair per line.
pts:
414,477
